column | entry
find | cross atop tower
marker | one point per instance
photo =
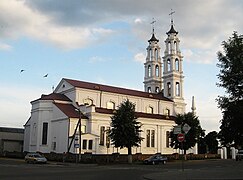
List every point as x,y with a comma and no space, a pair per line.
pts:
171,15
153,22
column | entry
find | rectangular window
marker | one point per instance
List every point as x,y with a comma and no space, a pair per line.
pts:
107,137
152,138
148,138
44,133
90,144
84,144
102,135
167,139
54,145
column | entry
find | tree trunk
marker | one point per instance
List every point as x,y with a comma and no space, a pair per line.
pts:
129,155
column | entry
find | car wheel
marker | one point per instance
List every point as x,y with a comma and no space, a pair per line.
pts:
153,162
164,162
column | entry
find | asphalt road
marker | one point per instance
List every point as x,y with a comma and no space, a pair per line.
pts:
11,169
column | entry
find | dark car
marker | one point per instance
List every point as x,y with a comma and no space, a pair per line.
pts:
155,159
239,155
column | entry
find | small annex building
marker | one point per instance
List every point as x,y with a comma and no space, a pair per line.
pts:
54,117
11,140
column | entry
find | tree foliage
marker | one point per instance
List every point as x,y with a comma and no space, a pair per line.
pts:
191,138
124,127
212,142
231,79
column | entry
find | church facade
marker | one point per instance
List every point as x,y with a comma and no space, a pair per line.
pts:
55,118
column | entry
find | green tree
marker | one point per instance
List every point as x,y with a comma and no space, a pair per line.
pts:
231,79
125,129
192,137
212,142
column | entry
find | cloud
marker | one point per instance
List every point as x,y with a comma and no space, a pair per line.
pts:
140,57
34,24
96,59
5,47
78,24
15,105
199,56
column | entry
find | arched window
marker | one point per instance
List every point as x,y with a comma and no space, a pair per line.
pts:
177,64
150,54
110,105
177,89
150,110
149,71
175,46
156,54
157,89
169,47
149,89
169,89
167,112
168,65
157,70
88,101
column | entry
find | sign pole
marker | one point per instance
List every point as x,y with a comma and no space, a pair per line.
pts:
182,161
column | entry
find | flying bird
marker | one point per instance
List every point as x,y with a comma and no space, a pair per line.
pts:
45,75
22,70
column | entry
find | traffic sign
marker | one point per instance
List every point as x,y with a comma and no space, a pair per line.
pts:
177,129
180,137
186,128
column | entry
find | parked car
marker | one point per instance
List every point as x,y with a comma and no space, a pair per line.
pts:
239,155
156,159
35,158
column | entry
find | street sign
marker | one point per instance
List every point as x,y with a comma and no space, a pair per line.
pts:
180,137
186,128
177,129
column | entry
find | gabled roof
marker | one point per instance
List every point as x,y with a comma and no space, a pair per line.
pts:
69,110
138,114
112,89
55,96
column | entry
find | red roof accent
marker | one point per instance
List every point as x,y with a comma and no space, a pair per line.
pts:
69,110
112,89
55,96
138,114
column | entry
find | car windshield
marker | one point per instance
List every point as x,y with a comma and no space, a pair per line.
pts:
37,155
154,157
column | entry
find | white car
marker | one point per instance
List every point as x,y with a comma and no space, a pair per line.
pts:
35,158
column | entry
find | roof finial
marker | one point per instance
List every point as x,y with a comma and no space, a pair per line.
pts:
171,17
153,22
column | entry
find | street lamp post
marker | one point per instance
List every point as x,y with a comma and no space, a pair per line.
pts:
79,158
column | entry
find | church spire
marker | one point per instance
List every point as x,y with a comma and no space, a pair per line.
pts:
153,65
173,77
193,108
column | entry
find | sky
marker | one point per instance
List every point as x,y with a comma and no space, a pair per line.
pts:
105,41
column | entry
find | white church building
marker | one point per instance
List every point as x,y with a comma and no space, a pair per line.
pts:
54,117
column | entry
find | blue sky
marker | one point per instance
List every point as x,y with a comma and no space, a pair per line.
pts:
105,42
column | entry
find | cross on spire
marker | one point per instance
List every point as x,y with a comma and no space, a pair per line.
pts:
153,22
171,15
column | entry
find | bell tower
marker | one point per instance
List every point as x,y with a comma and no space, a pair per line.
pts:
153,66
173,73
